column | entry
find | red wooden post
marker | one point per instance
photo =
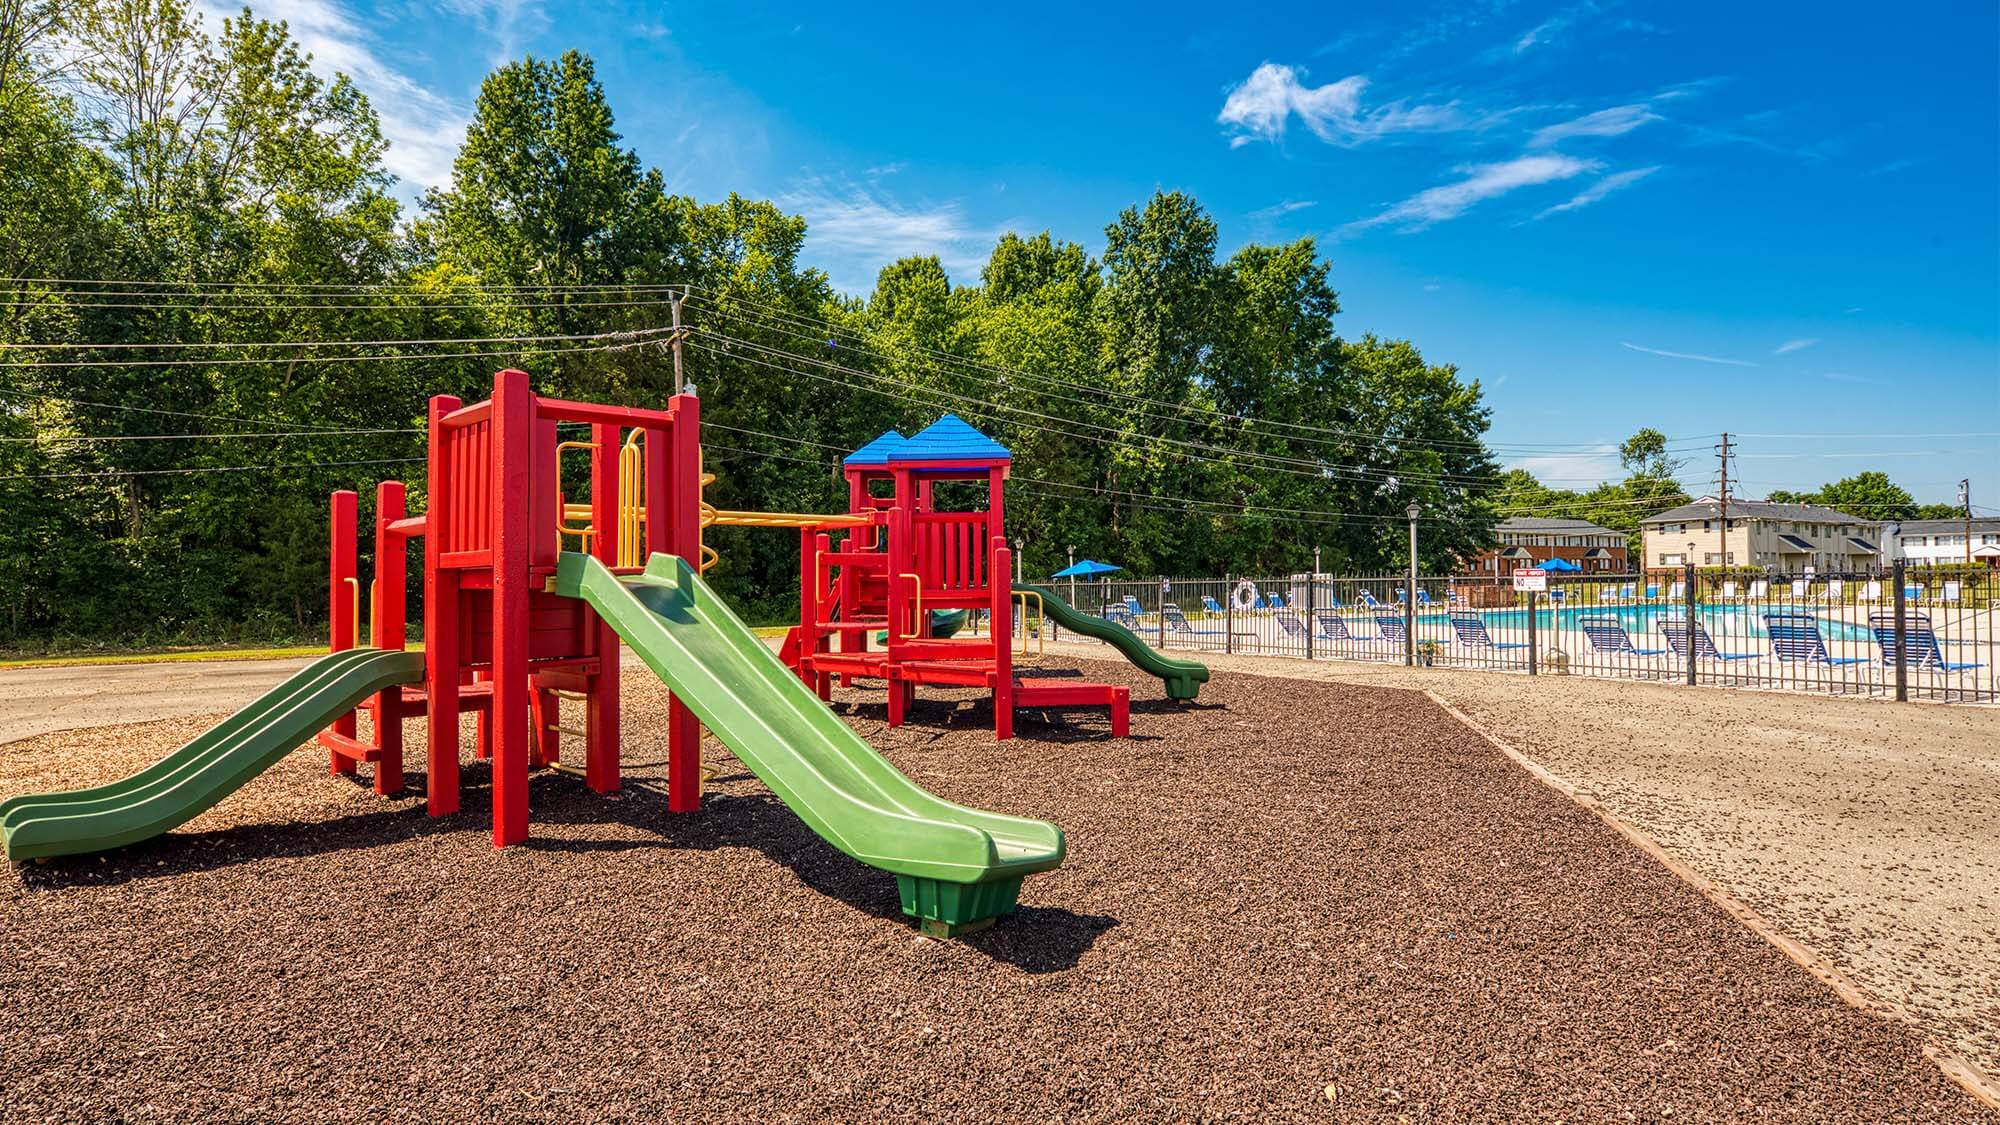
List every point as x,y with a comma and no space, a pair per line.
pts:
440,624
808,603
1003,640
600,754
514,530
387,607
341,595
681,508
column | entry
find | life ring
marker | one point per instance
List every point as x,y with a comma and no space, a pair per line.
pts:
1245,596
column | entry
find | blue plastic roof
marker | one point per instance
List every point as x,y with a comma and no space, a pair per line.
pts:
950,439
876,452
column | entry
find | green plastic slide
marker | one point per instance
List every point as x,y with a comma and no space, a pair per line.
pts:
1183,678
185,783
957,868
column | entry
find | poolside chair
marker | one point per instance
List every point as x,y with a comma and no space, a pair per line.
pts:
1652,593
1277,600
1423,599
1472,633
1369,600
1391,629
1333,627
1177,622
1119,615
1210,604
1795,639
1680,632
1288,621
1133,607
1920,643
1759,589
1607,635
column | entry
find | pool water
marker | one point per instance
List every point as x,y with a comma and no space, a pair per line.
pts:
1639,620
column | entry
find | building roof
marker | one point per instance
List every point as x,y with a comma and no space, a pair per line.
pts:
1988,524
1707,509
950,439
1536,523
876,452
1797,544
1865,546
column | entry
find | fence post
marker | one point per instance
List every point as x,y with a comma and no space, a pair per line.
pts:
1902,633
1532,641
1687,598
1160,614
1228,615
1311,621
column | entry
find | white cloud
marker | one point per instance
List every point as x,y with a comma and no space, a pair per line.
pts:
858,230
1551,29
510,22
1599,190
1613,122
1686,355
423,127
1796,345
1264,103
1278,210
1481,182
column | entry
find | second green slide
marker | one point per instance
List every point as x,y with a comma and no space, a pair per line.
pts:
1182,678
185,783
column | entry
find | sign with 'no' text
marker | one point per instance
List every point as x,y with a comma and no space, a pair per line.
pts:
1530,578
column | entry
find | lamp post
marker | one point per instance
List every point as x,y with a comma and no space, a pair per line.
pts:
1410,598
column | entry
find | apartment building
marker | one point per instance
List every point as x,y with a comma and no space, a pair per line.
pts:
1783,538
1525,541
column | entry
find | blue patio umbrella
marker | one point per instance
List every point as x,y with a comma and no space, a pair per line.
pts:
1560,566
1088,568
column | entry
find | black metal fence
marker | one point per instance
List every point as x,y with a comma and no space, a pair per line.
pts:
1906,633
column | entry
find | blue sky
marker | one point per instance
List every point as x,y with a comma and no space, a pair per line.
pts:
1771,219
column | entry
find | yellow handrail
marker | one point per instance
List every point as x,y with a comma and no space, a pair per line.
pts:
918,581
1041,615
631,500
588,530
354,588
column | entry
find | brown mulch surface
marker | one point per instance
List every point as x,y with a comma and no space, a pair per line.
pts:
1293,901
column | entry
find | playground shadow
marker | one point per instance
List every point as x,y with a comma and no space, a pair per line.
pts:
1035,939
1031,724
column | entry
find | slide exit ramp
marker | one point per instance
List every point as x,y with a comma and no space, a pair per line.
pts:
1182,678
187,782
957,868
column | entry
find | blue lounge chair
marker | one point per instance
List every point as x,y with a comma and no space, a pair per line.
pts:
1369,600
1652,593
1177,622
1278,600
1607,635
1424,599
1133,607
1288,621
1210,604
1333,627
1472,633
1118,614
1391,628
1680,632
1795,639
1920,643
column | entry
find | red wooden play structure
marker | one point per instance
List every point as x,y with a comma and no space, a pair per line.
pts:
891,573
497,641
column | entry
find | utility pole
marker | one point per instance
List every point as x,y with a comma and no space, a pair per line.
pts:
678,379
1965,505
1722,497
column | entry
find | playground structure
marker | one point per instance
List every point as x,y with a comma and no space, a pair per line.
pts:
904,563
528,600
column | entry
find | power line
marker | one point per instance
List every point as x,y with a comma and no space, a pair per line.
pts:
122,345
209,469
152,410
984,408
336,286
387,358
1005,373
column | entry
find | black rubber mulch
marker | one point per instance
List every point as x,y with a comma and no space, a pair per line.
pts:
1292,901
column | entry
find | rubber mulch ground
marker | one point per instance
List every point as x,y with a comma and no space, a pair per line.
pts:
1293,901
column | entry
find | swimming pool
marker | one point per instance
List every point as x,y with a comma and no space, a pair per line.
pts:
1719,620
